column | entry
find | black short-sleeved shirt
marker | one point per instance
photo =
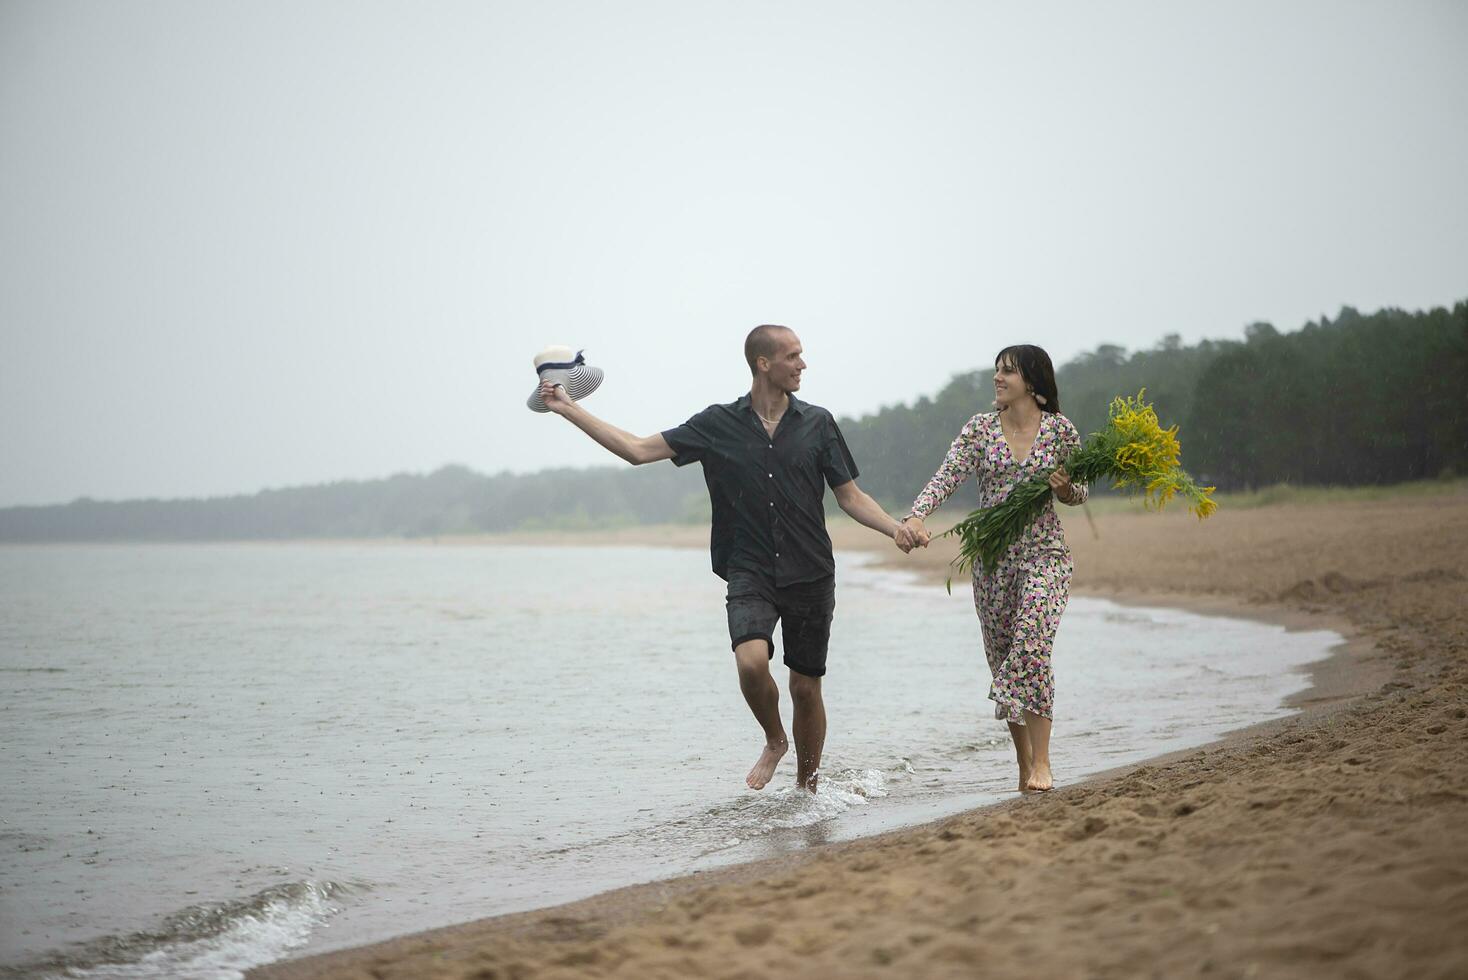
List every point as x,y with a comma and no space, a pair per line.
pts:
767,492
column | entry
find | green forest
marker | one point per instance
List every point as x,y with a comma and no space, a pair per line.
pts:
1360,399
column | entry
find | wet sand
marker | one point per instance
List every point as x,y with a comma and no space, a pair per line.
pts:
1333,843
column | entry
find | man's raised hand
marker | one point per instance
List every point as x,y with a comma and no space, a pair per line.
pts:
555,397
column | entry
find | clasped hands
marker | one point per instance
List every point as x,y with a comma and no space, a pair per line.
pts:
911,534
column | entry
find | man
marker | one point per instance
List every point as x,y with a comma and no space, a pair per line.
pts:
767,459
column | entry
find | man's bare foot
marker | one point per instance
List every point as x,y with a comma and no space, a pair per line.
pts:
764,769
1040,780
808,782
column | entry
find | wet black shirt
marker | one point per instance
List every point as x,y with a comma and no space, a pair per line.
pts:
767,493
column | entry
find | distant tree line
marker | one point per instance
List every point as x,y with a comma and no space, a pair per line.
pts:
1355,400
451,500
1379,398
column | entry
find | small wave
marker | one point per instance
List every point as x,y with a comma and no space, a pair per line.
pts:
790,806
748,816
21,841
215,941
1141,621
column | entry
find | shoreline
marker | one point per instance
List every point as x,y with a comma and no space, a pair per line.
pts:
1358,671
1335,681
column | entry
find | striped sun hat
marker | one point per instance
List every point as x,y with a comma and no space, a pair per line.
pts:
566,367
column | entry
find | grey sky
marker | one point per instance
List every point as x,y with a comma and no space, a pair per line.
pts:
261,244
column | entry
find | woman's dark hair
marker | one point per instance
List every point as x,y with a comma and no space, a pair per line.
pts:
1034,366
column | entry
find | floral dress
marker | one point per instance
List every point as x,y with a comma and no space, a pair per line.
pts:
1020,602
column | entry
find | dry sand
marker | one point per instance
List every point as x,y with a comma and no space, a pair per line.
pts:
1331,844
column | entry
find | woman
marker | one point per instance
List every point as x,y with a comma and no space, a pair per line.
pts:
1020,602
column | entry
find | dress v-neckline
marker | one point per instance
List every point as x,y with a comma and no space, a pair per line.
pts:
1010,449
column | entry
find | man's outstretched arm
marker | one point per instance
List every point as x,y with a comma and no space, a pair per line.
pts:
859,505
634,449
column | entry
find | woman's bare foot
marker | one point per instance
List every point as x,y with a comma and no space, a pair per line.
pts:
1024,778
1041,780
764,769
808,782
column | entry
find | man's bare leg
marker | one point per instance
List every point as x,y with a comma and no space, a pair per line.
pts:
762,695
1022,753
810,728
1039,729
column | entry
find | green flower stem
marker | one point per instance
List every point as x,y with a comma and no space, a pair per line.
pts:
986,534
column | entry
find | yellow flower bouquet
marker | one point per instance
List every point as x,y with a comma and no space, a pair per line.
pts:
1134,451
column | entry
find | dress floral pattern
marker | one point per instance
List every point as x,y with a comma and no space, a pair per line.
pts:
1020,602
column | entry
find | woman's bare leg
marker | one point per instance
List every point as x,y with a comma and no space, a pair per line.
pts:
1038,728
1022,753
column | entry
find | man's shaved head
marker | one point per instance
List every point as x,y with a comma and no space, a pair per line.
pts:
763,341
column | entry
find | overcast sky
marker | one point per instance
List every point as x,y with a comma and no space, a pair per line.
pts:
253,244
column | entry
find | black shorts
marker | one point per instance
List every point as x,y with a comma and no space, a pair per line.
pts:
803,610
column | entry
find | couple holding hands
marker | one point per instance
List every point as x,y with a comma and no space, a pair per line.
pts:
767,460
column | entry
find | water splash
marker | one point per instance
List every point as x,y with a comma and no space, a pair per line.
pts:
789,806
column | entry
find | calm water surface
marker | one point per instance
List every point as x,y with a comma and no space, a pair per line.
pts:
215,756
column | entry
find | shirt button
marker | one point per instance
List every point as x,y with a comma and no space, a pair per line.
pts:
772,445
772,503
777,554
770,475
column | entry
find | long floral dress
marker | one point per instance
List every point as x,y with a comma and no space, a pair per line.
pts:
1020,602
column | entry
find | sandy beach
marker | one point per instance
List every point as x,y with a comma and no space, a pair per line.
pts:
1332,843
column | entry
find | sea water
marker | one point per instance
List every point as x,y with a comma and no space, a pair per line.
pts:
215,756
